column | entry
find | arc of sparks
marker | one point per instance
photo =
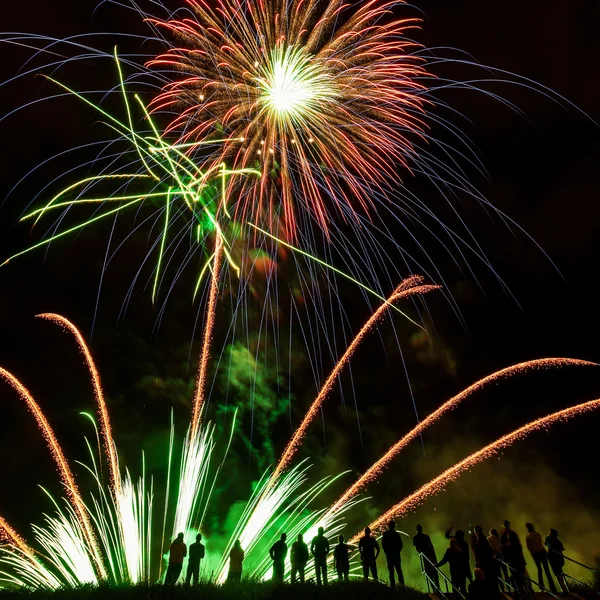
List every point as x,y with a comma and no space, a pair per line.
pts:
63,467
8,534
439,483
105,425
411,286
374,471
199,393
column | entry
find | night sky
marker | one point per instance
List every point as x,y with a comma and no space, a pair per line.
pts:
542,168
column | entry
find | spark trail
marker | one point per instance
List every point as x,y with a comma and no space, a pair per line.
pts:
105,426
441,481
373,472
8,534
63,467
411,286
208,332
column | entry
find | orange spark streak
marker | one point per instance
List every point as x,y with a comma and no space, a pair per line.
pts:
374,471
410,286
105,426
63,466
8,534
208,330
439,483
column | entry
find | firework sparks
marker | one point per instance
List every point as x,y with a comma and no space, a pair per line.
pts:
208,331
323,96
62,464
106,429
441,481
409,287
373,472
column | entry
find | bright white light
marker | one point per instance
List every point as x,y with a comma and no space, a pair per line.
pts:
292,84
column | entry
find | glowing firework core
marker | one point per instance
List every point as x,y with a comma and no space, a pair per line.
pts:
291,84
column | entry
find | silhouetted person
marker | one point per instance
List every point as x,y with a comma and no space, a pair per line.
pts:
484,556
423,545
278,552
319,548
512,553
193,567
299,558
453,556
556,558
496,546
236,558
481,589
341,559
539,555
369,551
177,553
464,548
392,545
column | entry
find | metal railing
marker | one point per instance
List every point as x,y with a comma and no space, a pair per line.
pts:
432,586
529,583
587,586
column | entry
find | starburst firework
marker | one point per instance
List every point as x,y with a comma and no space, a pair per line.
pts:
322,97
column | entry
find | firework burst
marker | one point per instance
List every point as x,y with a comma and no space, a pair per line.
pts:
322,97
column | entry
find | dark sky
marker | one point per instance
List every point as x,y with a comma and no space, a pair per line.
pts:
542,173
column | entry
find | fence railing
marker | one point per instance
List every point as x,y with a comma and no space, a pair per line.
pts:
434,587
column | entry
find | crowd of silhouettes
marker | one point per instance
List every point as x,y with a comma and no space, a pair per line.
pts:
500,563
499,560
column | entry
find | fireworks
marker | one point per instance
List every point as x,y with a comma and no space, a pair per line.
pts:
410,286
441,481
374,471
322,97
110,538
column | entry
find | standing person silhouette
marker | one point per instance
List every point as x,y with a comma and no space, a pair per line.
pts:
453,557
319,548
512,551
299,556
484,558
236,558
496,547
196,555
533,539
466,554
556,558
369,551
341,559
278,552
392,545
423,545
177,553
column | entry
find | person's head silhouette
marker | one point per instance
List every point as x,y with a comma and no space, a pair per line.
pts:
300,538
529,527
507,524
180,537
341,538
283,537
199,537
478,529
321,531
367,531
419,528
392,525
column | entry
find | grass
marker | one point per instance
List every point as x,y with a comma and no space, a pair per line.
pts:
243,591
